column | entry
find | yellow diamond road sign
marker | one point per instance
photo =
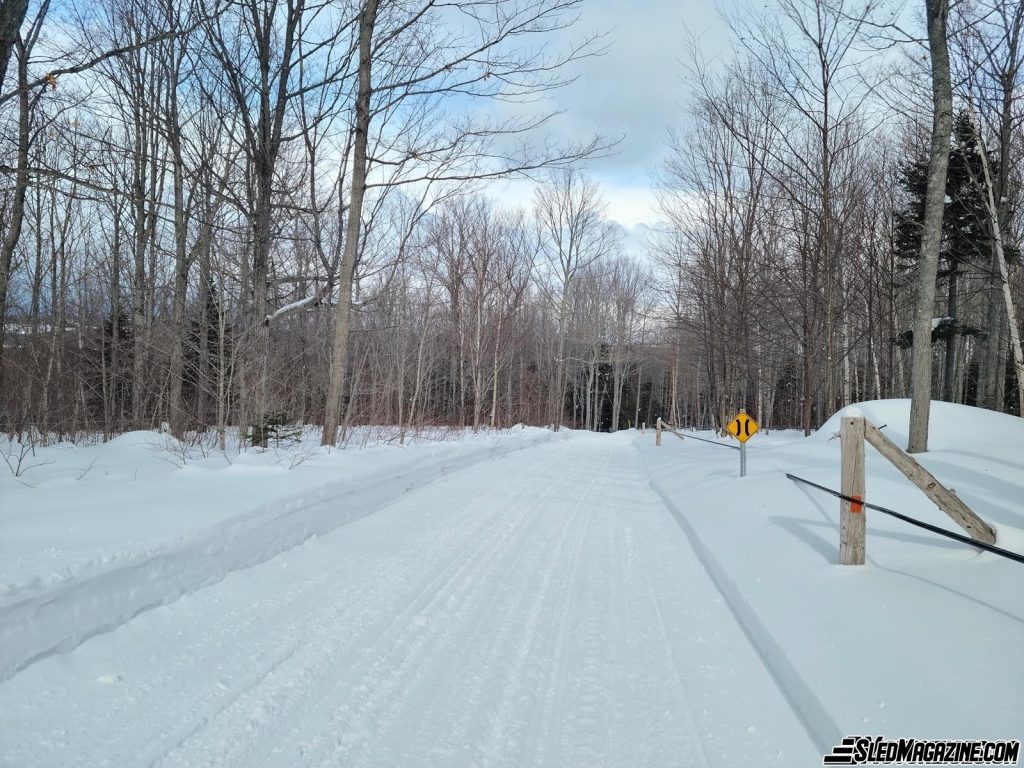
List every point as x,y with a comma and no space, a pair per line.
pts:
742,427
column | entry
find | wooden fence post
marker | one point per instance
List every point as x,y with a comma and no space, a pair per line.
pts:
944,498
657,432
851,514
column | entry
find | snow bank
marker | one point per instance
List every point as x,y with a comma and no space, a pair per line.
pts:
107,531
924,640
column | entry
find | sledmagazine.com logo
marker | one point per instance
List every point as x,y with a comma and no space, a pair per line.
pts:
878,750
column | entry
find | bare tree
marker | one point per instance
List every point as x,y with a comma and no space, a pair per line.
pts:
12,15
574,237
931,234
425,65
988,60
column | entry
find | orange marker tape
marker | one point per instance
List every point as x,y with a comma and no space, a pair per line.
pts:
856,506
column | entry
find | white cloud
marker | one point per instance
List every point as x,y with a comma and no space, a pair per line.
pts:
634,90
633,207
628,205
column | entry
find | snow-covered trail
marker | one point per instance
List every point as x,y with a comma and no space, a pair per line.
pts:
542,609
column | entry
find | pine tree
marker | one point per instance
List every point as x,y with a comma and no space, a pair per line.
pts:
965,234
966,237
202,353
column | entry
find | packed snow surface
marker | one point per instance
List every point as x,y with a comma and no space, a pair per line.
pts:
524,598
94,535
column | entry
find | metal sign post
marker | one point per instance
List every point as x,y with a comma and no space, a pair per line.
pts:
742,428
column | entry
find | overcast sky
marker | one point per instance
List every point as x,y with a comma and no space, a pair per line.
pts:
636,89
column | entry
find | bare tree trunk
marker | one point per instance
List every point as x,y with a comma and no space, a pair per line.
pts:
1011,312
617,374
113,406
494,373
848,372
478,358
421,347
12,15
17,216
462,375
140,166
557,406
178,418
222,377
674,404
931,234
203,347
636,411
873,363
989,371
342,324
807,403
949,370
588,411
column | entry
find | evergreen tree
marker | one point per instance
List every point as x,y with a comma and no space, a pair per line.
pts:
202,354
966,234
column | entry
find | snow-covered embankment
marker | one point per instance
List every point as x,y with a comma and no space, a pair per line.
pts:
924,640
92,536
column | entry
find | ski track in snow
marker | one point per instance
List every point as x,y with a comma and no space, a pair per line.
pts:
539,610
56,620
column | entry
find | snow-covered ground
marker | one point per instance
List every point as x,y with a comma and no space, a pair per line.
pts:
520,598
926,639
92,535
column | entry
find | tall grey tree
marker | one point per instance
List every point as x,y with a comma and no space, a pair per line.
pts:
931,233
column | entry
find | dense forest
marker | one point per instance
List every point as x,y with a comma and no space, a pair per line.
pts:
250,212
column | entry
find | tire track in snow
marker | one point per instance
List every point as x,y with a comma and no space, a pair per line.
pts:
518,686
620,648
189,705
518,615
553,695
690,724
494,679
38,626
416,644
341,613
308,687
503,617
812,714
586,717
